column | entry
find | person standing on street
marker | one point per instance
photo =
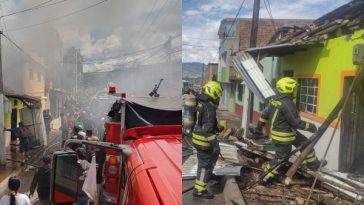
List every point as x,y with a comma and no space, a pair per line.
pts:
14,198
23,133
284,121
47,121
64,129
204,137
41,181
82,168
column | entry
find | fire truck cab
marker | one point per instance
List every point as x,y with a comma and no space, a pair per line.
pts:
142,167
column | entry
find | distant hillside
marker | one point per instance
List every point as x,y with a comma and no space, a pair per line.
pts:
192,70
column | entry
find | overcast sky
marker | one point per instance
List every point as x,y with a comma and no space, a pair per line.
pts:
201,20
105,33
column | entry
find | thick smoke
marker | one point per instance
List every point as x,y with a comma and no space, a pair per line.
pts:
104,34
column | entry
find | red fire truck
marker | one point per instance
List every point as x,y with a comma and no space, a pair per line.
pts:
144,166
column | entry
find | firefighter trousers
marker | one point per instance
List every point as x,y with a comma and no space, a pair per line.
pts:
206,163
282,151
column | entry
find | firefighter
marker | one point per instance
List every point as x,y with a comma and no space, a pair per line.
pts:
284,122
204,137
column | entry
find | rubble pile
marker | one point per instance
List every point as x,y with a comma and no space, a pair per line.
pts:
252,157
278,193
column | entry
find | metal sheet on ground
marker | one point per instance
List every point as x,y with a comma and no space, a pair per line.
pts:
189,169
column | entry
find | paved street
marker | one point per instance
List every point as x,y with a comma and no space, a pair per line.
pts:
25,173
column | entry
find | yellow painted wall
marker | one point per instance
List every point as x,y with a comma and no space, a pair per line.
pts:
19,106
329,64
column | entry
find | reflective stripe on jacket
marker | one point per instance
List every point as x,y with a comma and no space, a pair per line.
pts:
204,132
284,119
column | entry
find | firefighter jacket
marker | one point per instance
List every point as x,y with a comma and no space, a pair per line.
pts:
284,119
206,127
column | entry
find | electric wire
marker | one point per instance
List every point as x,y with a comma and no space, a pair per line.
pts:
132,53
199,46
26,10
146,19
236,17
203,39
22,50
58,18
269,11
148,30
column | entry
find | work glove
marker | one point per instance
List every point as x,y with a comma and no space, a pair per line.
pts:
220,128
312,128
256,132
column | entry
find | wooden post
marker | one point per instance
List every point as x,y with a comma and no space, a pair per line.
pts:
315,137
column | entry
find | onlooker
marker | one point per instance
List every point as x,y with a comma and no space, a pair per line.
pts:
83,166
23,133
77,120
64,129
77,133
100,159
14,198
90,136
41,181
47,120
70,123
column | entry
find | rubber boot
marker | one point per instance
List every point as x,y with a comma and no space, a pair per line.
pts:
216,177
314,166
267,181
203,194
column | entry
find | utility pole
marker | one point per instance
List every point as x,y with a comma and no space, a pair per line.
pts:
2,135
249,100
168,47
76,75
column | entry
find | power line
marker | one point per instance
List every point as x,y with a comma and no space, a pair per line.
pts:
200,46
236,16
203,39
138,51
22,50
28,9
58,18
269,11
150,12
152,21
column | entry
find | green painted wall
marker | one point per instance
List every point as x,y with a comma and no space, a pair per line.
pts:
270,70
224,75
329,62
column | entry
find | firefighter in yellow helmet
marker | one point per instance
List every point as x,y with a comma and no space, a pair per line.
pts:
284,121
204,137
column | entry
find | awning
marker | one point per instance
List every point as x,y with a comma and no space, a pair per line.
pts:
27,99
280,49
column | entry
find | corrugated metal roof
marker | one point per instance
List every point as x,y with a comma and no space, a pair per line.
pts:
245,64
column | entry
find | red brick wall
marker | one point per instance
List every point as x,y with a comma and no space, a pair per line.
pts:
239,109
210,70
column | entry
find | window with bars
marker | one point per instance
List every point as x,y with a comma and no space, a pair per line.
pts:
307,95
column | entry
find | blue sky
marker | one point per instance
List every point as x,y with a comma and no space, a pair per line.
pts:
201,20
